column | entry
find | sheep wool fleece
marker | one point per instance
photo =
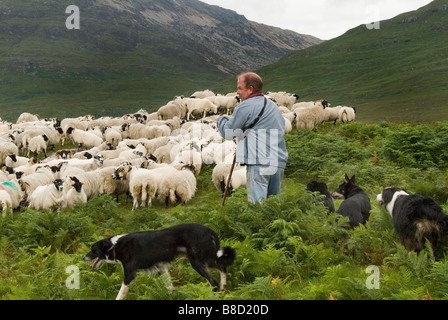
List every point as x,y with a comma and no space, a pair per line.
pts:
262,148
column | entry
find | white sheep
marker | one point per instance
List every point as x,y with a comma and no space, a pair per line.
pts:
84,138
310,117
109,185
142,184
239,178
7,148
332,114
90,183
224,152
178,187
288,126
11,195
73,193
190,156
202,94
163,153
14,161
5,202
172,109
138,130
199,106
48,196
86,164
219,175
113,136
225,103
42,176
27,117
347,114
37,145
283,98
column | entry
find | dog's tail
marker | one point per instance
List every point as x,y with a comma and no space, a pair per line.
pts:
226,256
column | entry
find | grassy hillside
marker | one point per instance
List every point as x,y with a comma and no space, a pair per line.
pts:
396,73
111,65
288,248
126,55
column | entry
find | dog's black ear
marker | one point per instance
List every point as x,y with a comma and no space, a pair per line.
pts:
105,245
353,179
346,178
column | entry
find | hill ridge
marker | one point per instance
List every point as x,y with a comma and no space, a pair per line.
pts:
120,58
397,73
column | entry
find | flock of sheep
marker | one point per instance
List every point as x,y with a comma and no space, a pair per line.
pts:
144,155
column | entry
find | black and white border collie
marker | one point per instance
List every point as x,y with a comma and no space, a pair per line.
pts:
154,250
415,218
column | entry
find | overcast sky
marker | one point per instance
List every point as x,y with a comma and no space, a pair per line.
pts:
325,19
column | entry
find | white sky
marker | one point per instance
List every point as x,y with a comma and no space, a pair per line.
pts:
325,19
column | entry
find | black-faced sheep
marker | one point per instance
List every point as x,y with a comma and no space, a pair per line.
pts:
37,145
178,187
311,116
11,195
199,106
142,184
47,197
347,114
73,192
84,138
283,98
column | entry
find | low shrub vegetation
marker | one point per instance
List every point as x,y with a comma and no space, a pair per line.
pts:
289,247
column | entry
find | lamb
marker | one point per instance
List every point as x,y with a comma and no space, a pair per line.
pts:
48,196
310,117
142,184
74,193
84,138
199,106
11,195
347,114
178,187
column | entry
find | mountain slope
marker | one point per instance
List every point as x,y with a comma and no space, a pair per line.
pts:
398,73
127,54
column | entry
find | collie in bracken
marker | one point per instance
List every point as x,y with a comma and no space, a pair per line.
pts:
415,217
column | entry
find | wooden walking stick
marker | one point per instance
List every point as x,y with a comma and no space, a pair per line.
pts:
228,181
